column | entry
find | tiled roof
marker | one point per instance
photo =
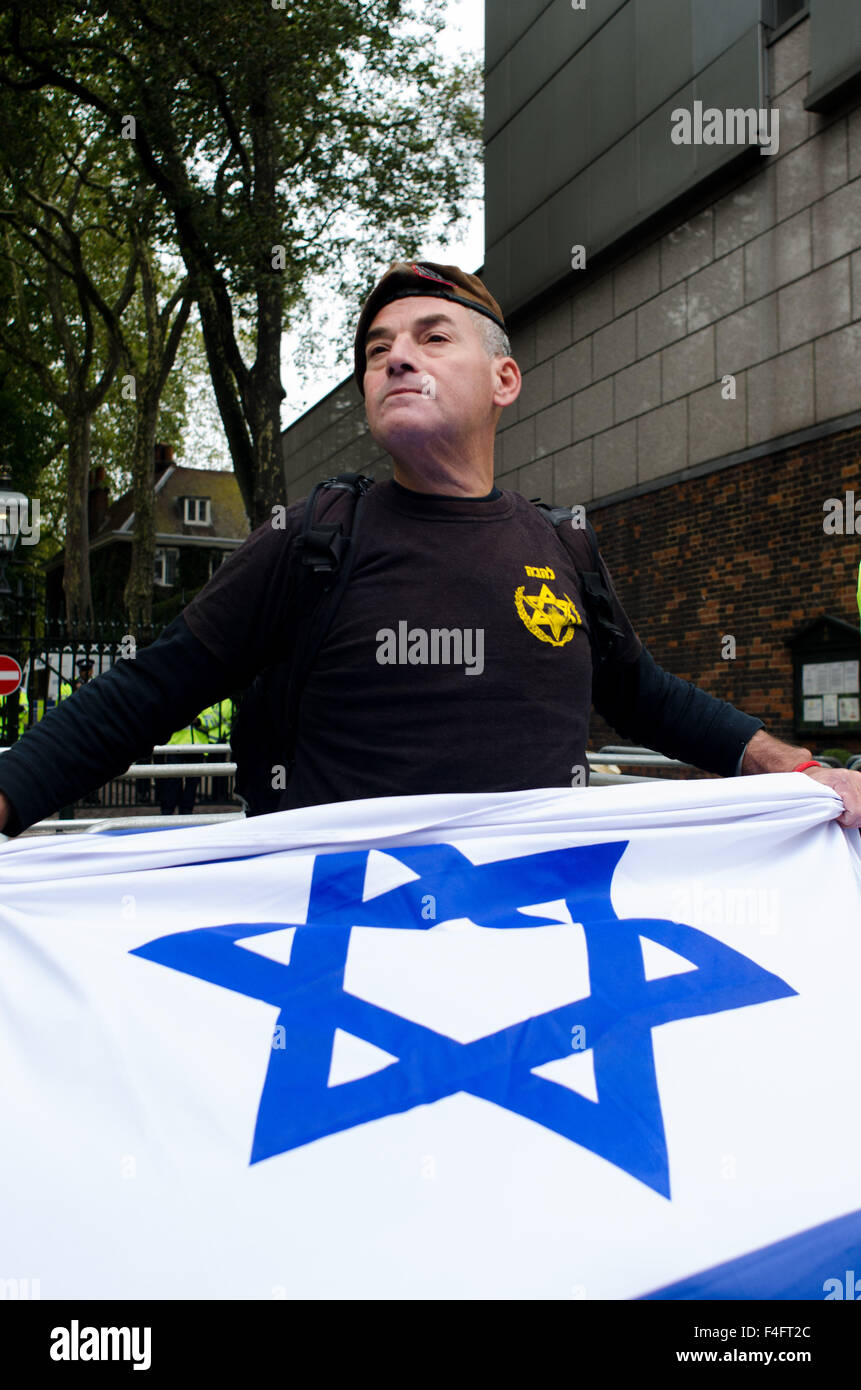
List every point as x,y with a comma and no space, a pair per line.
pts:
228,518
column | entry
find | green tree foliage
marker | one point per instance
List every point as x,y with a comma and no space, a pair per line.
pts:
91,293
285,141
70,270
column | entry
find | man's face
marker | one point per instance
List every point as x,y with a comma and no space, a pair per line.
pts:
427,373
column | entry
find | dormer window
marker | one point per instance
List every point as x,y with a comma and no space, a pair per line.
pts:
196,511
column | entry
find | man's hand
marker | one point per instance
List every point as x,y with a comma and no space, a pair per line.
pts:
5,812
847,786
767,754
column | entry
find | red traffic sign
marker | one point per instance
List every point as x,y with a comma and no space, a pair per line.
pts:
11,675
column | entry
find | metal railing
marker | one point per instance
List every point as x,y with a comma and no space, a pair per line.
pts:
611,755
209,769
615,755
619,755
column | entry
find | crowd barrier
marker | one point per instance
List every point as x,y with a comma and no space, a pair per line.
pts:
609,757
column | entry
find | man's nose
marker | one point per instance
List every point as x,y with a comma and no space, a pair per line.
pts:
401,355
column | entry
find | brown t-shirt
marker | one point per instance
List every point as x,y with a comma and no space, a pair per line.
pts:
458,658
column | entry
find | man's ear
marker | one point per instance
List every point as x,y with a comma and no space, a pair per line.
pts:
508,381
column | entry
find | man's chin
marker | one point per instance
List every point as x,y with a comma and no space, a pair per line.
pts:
397,435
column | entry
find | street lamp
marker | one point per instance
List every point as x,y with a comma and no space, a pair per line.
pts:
13,507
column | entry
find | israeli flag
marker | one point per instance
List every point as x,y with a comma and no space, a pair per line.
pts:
555,1044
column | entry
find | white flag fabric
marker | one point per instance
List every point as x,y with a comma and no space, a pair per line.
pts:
555,1044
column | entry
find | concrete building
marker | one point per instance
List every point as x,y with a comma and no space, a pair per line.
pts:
688,320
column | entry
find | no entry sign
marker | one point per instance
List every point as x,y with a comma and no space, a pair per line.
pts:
10,675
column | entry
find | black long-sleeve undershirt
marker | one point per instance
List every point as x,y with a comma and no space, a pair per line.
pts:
117,718
645,703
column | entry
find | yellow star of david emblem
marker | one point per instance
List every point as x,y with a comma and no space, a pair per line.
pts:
547,617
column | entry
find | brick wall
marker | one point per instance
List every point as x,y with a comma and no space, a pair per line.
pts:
741,551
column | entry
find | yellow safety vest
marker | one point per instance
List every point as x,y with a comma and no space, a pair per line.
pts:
214,725
217,721
189,734
23,708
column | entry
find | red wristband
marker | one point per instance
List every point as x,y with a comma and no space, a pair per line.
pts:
802,767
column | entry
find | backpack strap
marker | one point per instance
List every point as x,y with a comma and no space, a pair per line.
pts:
323,556
265,729
603,631
321,546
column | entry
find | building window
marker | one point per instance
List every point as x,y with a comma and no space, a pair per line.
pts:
166,564
196,511
779,12
215,559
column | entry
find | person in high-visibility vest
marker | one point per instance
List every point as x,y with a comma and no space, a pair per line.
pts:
217,720
23,710
177,794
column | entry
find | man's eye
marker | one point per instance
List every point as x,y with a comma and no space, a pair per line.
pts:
437,338
376,350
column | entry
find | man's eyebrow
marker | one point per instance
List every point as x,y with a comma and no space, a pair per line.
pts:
427,322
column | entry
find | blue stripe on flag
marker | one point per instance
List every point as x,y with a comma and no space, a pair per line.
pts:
799,1267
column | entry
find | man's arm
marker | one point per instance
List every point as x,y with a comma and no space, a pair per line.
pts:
675,717
645,703
96,733
231,630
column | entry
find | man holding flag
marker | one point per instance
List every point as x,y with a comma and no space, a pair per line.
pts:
441,551
452,1029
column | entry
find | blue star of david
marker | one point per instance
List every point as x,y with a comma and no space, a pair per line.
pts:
624,1126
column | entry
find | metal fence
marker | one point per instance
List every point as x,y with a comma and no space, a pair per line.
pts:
217,764
214,767
56,658
606,766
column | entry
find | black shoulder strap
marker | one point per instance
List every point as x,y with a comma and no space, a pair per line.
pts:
321,546
264,731
323,556
603,631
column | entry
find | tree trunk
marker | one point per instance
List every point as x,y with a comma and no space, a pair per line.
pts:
76,565
265,419
217,328
138,590
249,400
265,397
